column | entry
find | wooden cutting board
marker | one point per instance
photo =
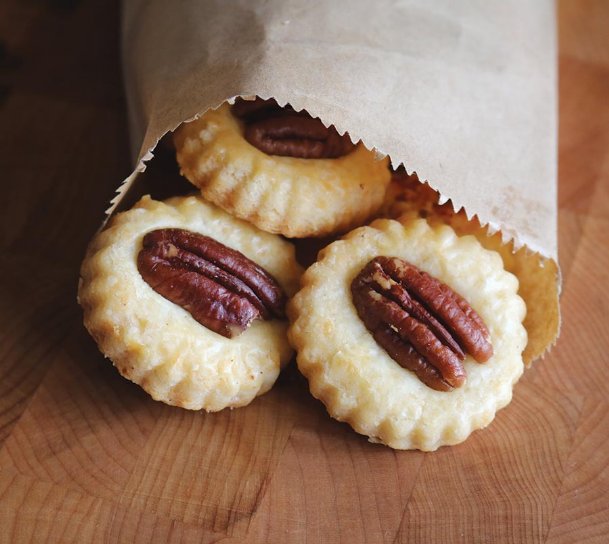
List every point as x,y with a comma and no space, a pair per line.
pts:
86,456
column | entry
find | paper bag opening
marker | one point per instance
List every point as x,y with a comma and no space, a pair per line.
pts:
465,95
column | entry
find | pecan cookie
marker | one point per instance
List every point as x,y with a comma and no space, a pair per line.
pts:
410,333
282,170
187,301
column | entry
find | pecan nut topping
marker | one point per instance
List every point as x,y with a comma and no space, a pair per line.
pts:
419,321
220,287
283,131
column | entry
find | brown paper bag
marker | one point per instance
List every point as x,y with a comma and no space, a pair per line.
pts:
463,93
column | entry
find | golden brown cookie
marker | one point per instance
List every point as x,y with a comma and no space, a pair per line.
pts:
169,345
293,196
357,378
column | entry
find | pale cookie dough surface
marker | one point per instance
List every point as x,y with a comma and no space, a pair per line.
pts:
291,196
359,382
157,344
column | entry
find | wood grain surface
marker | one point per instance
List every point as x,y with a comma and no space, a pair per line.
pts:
86,456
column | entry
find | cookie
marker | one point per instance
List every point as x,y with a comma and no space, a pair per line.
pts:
281,170
166,285
362,381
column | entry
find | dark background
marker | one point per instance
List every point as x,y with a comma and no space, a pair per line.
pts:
63,151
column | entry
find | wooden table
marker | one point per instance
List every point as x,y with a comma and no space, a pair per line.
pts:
86,456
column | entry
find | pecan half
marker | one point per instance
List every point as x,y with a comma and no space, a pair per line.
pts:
422,323
283,131
220,287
